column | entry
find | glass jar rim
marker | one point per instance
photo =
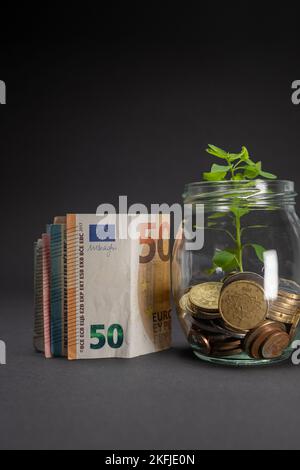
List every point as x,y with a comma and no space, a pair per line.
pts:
259,192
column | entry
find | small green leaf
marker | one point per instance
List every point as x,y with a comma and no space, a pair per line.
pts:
258,166
250,162
259,250
251,172
238,177
225,260
244,154
234,156
214,176
219,168
217,151
217,215
239,211
267,175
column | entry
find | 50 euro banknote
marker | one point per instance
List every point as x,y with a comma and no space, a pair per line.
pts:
118,285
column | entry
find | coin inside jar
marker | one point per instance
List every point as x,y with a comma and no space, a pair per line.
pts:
233,352
206,296
275,345
256,338
244,276
226,345
242,304
280,317
199,341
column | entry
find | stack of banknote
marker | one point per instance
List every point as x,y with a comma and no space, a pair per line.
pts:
100,293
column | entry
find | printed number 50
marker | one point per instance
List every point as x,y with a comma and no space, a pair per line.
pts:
115,336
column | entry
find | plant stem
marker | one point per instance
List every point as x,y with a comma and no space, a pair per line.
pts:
239,242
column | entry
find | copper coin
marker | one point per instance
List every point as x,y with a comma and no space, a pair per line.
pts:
242,304
199,341
233,352
217,338
255,349
253,335
225,346
275,345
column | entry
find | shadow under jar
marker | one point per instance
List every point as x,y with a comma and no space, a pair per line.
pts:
238,297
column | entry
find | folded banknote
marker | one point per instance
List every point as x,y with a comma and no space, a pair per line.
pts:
118,287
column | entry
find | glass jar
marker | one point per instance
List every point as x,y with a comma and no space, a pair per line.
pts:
238,295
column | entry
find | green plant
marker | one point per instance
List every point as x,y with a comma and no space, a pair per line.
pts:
236,167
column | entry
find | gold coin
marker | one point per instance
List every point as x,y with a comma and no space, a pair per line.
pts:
287,310
206,296
289,289
286,301
275,345
243,305
183,302
280,317
284,306
289,295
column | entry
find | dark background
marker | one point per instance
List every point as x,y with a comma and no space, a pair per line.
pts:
106,101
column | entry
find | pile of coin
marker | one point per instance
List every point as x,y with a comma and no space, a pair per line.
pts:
285,308
224,319
267,341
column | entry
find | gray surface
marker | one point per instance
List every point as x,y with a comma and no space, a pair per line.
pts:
164,401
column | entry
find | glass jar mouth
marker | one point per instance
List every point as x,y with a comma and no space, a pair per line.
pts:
251,193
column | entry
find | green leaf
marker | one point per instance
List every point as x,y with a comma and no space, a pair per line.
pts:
251,172
244,154
258,166
250,162
267,175
219,168
217,215
220,176
215,154
239,211
259,250
217,151
225,260
238,177
234,156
